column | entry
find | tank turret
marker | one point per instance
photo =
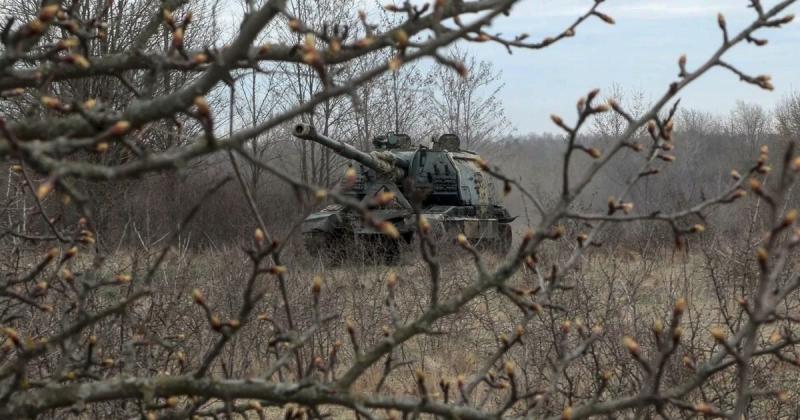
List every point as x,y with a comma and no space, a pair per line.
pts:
445,183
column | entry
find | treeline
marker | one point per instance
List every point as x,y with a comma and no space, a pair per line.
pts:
707,148
422,100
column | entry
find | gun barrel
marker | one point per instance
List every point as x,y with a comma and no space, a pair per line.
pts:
308,132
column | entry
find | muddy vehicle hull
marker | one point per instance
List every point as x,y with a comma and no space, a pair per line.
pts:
336,235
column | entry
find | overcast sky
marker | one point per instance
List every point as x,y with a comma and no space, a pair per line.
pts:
640,52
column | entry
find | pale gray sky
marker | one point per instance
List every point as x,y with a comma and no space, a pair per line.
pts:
639,52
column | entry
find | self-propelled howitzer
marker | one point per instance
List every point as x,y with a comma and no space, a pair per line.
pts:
445,182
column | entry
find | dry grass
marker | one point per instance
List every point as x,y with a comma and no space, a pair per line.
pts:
626,291
620,289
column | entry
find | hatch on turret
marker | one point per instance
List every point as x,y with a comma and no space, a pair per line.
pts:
449,142
392,141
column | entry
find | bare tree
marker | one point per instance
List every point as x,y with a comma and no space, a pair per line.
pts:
394,103
695,122
465,101
752,123
788,116
335,20
613,125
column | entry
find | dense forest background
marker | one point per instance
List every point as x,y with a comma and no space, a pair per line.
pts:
707,148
